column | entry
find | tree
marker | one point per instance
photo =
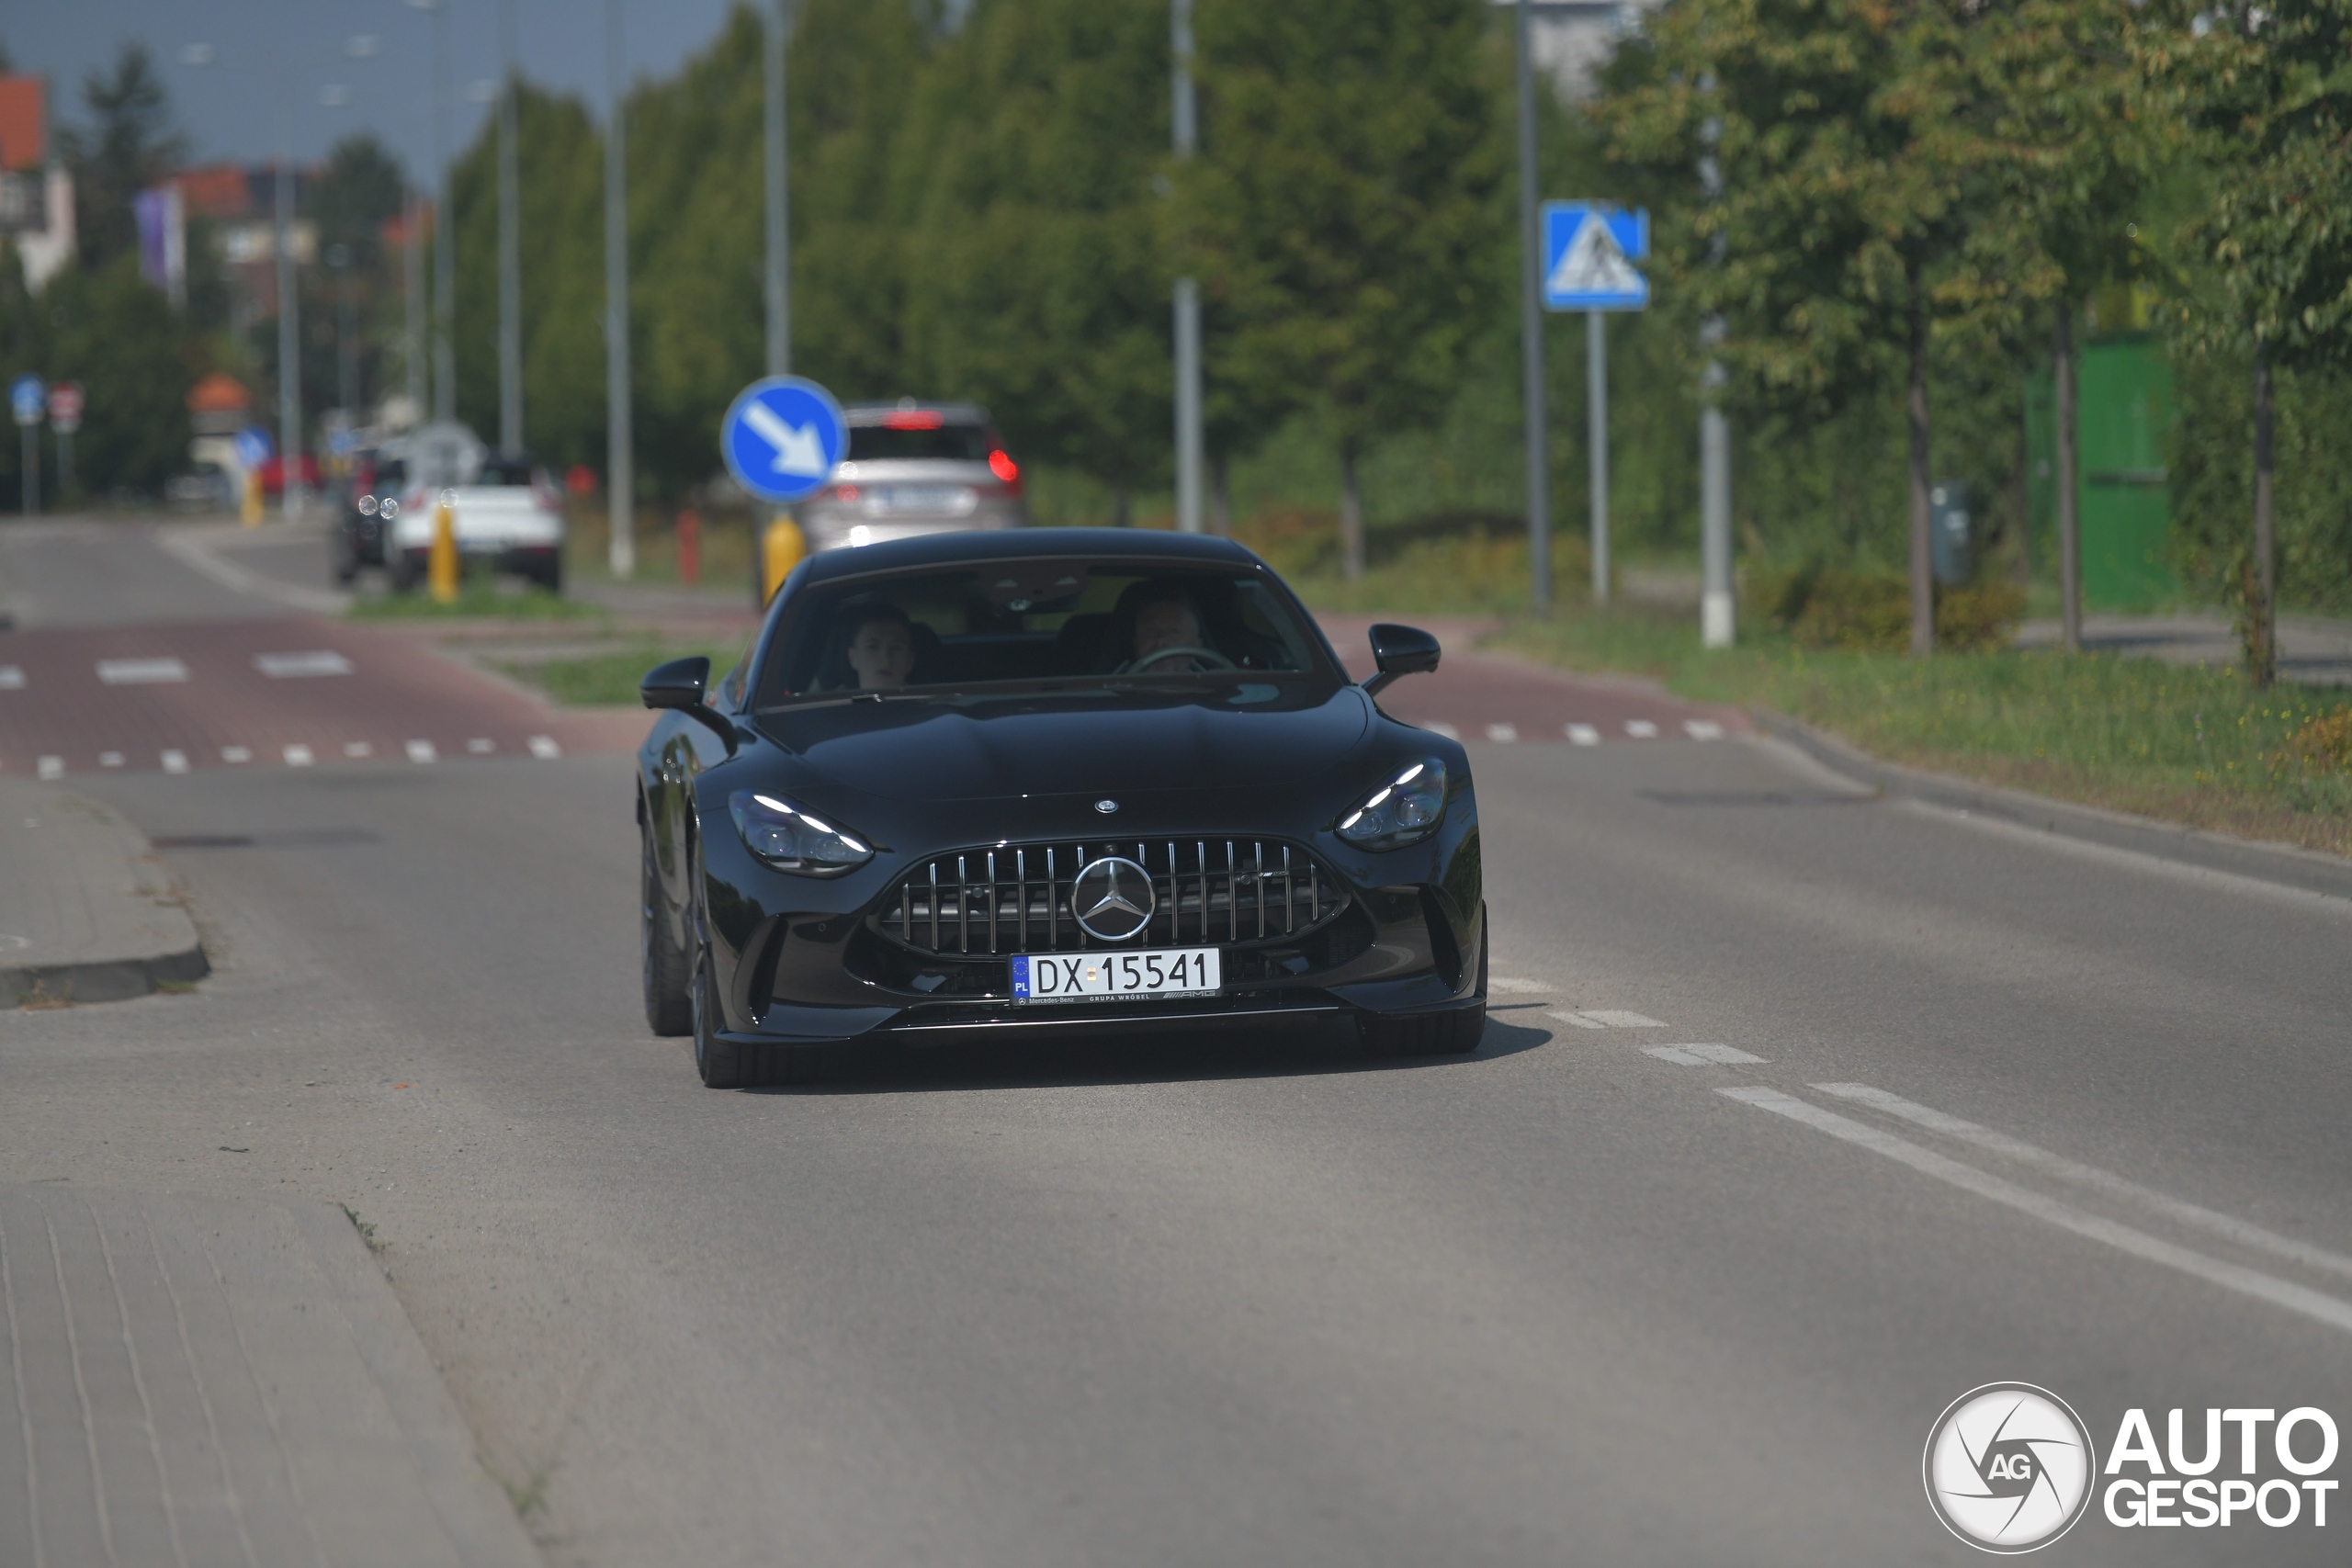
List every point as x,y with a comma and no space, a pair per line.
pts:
115,333
2266,99
1855,152
129,145
1339,208
361,189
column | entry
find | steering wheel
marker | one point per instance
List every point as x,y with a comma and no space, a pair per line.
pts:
1209,655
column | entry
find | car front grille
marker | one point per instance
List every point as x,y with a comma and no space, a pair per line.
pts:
1016,897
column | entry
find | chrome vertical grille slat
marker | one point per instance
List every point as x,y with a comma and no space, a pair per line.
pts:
1263,890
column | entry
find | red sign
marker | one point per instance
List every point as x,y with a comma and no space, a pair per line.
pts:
65,406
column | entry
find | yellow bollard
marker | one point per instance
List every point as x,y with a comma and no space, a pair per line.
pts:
441,562
251,512
781,548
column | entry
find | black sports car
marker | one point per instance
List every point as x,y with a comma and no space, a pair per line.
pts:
1059,781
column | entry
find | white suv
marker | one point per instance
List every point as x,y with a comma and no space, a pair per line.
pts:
915,469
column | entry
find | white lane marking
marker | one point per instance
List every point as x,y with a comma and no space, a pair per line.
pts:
175,762
140,672
2089,1176
1576,1019
1584,734
236,755
298,756
1641,730
300,666
357,748
109,758
1701,1055
480,747
1507,983
1606,1018
2286,1294
12,678
1702,729
1434,728
544,748
50,767
1502,732
421,751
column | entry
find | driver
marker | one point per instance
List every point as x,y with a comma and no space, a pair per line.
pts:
1166,620
878,645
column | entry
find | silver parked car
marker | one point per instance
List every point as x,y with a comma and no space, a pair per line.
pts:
915,469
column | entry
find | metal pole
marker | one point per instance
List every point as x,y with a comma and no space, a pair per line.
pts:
289,337
1596,390
1530,329
1183,122
510,251
1714,435
445,236
621,479
31,494
779,204
346,344
414,265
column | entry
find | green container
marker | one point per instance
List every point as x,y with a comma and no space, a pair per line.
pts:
2124,409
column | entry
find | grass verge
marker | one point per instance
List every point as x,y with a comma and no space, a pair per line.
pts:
2197,746
607,680
479,598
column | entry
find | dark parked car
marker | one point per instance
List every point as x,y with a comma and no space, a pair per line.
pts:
1048,782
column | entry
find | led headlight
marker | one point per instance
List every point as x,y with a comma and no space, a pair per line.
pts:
789,839
1403,811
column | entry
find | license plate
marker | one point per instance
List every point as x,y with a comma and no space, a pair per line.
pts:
1090,977
926,498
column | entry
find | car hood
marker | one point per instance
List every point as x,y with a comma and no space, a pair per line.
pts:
1061,744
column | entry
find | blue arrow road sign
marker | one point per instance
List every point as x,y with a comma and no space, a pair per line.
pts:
252,446
26,398
783,437
1589,251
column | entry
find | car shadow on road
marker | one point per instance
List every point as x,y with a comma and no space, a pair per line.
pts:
1083,1062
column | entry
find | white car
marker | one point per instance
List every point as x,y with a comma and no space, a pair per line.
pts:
504,511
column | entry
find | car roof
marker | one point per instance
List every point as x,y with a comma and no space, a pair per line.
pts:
1027,544
879,414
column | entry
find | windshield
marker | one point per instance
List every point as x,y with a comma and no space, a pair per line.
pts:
1027,623
893,444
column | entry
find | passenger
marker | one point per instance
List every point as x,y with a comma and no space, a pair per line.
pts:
878,645
1166,620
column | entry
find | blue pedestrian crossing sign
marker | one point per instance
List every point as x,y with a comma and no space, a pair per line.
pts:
783,437
1589,251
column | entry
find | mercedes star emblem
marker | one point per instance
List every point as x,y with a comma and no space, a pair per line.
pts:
1106,807
1112,898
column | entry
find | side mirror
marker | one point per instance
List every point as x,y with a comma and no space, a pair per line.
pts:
1399,650
680,685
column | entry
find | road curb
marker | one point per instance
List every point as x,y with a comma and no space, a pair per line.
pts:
87,914
2308,871
106,980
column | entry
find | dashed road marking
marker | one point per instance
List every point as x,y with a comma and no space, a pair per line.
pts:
1502,732
1702,1055
544,748
297,757
12,678
1434,728
1702,729
481,746
109,758
1641,730
2326,1309
357,748
300,666
1605,1018
2098,1180
140,672
1583,735
175,762
421,751
50,767
236,753
1526,988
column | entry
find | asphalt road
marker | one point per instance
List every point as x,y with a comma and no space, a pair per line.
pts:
1228,1300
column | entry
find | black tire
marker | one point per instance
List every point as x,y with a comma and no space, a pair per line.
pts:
406,569
550,576
726,1064
1453,1033
344,559
669,1009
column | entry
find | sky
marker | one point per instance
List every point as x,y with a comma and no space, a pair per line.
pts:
278,61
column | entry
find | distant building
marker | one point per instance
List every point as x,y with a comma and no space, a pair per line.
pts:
1573,38
35,190
241,203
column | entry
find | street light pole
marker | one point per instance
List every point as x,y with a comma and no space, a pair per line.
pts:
1530,329
413,265
289,355
1715,432
445,232
779,202
1185,124
510,251
621,481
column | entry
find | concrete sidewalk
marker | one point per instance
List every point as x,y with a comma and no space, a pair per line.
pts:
204,1381
2313,651
87,914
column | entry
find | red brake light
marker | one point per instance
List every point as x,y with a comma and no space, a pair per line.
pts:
919,419
841,493
1001,464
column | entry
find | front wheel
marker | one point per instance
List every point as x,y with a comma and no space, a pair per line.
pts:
669,1010
1454,1033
